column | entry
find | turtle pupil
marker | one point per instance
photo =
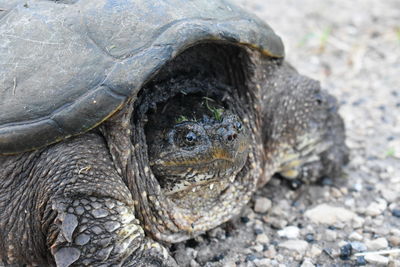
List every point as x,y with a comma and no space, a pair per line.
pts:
190,137
238,125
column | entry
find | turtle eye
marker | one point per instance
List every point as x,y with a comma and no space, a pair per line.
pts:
238,125
190,138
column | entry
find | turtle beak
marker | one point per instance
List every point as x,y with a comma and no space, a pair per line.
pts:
222,154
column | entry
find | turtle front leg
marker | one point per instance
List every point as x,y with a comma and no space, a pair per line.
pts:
302,131
100,231
89,217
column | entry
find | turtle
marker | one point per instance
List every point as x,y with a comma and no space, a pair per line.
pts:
127,126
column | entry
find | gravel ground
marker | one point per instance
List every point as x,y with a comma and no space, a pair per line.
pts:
353,48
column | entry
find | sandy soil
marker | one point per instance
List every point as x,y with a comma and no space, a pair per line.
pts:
353,48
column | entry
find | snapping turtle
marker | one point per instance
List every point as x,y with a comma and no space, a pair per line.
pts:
128,125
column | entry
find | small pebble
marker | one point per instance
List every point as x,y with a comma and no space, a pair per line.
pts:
262,238
330,235
376,208
262,262
262,205
258,231
193,263
327,214
396,213
307,263
258,248
310,237
244,219
299,246
355,236
250,257
218,257
394,241
346,251
276,223
376,244
358,246
290,232
360,261
314,252
377,259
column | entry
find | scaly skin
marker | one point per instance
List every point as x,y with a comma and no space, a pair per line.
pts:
93,199
80,211
195,142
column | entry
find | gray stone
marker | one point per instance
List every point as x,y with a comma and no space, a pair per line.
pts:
262,238
307,263
355,236
330,235
300,246
376,208
377,259
262,205
290,232
358,246
376,244
262,262
326,214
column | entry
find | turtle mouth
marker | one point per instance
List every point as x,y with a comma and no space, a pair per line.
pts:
215,171
218,155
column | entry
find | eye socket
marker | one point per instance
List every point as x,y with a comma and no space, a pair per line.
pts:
238,125
190,138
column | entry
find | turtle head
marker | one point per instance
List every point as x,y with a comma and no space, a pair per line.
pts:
189,153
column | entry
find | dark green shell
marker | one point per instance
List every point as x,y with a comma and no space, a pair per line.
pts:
66,66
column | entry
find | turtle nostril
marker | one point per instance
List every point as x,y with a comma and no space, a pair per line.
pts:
232,137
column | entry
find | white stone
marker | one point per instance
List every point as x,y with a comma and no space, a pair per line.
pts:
358,222
300,246
355,236
358,246
326,214
258,248
307,263
377,259
330,235
262,205
314,252
376,244
376,208
270,253
262,262
389,195
262,238
290,232
395,231
194,263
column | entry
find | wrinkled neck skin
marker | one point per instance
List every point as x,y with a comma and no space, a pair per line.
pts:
176,216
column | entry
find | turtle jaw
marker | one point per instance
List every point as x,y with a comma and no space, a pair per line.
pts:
191,174
219,170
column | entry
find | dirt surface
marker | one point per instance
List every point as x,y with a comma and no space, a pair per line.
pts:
353,48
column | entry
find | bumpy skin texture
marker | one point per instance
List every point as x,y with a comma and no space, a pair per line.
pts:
195,141
70,207
91,200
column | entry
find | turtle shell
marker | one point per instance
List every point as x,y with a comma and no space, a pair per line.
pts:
66,66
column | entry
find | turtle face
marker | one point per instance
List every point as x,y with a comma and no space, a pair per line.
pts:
187,154
193,153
